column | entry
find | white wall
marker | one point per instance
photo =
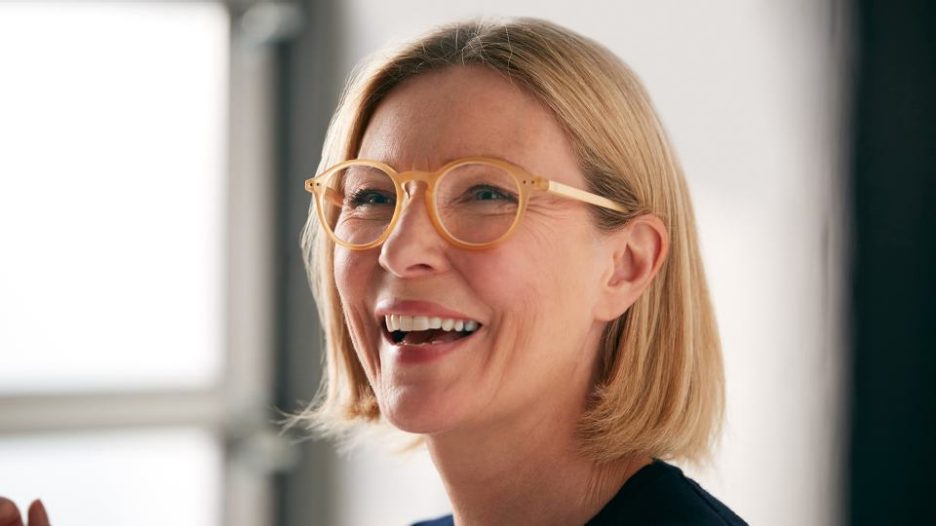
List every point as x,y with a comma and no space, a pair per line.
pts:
747,90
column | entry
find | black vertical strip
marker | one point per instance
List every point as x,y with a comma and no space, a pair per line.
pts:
283,166
893,331
307,92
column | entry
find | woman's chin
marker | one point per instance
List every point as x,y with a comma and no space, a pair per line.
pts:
420,414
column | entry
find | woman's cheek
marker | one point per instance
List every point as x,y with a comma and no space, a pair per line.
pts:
507,284
344,261
354,273
353,287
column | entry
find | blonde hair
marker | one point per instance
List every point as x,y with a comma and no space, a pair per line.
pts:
660,386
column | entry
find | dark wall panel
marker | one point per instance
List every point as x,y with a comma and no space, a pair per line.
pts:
893,332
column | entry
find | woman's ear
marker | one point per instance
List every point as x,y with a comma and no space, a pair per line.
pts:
637,252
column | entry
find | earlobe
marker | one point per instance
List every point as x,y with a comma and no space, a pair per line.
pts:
637,253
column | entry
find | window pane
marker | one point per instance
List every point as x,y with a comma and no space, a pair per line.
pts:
112,201
141,477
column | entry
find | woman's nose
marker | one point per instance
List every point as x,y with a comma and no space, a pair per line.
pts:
414,247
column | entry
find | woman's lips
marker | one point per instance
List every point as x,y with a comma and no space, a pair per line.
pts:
409,354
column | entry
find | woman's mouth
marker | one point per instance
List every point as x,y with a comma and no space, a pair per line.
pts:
402,330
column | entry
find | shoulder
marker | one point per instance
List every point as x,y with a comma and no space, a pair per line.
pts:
661,495
657,495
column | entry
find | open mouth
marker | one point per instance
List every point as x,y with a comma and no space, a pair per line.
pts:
425,330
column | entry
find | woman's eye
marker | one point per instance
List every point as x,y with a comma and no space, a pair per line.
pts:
368,197
490,193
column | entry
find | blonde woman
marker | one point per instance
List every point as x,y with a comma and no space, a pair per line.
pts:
504,255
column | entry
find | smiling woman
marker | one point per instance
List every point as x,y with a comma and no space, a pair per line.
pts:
505,262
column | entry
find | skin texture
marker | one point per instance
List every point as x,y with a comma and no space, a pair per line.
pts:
10,515
499,413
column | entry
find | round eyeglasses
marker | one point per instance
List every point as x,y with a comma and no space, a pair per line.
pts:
474,203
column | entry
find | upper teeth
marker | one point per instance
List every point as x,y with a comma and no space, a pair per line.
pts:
398,322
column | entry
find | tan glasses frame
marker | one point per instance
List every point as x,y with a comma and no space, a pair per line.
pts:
525,182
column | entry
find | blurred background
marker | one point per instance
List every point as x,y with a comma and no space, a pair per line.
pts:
155,321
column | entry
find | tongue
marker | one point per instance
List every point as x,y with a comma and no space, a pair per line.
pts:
432,335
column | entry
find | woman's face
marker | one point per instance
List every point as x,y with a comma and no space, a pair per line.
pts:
533,296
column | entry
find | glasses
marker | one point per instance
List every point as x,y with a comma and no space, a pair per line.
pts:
474,203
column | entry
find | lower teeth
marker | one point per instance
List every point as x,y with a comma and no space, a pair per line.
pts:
404,339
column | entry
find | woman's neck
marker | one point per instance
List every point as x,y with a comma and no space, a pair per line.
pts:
526,471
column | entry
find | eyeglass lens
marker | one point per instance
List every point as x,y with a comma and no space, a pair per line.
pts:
475,203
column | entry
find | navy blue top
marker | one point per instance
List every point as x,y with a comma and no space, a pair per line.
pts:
657,495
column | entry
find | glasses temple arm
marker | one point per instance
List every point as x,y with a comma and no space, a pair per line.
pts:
582,195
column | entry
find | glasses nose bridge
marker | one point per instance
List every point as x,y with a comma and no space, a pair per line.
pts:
418,177
410,181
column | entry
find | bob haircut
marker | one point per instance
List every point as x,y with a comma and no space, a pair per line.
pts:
659,387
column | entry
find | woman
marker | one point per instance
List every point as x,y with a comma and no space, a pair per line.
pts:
505,261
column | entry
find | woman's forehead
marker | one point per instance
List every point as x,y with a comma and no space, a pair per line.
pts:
458,112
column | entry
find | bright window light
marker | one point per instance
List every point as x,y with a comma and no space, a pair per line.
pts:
146,477
112,195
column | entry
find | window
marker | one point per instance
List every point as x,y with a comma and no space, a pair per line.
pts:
123,383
